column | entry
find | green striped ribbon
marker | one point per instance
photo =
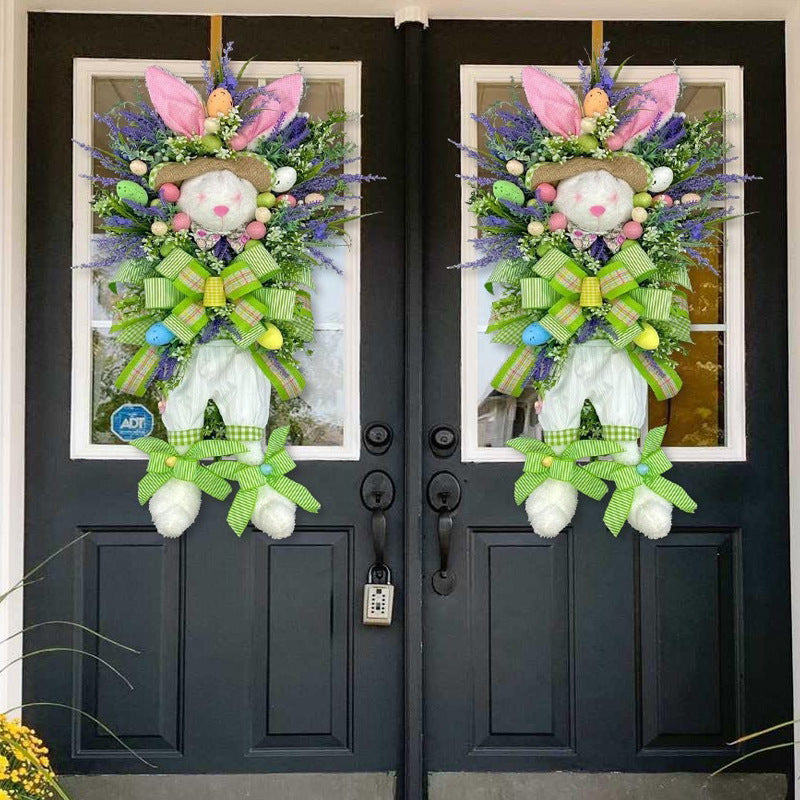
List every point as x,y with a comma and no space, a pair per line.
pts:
285,377
175,262
259,259
626,478
537,293
679,324
638,263
303,320
166,462
677,274
660,376
542,462
279,302
272,473
137,372
160,293
657,302
133,271
508,271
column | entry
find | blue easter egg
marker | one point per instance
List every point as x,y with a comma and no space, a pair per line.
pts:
266,469
535,334
642,469
158,333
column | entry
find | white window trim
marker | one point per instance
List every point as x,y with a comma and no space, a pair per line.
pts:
84,71
731,80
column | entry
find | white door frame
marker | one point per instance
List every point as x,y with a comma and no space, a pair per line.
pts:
13,99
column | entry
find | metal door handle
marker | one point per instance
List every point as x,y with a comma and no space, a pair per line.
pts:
377,494
444,495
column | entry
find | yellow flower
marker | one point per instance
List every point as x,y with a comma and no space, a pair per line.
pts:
4,795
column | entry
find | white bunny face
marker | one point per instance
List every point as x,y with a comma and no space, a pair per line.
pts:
218,201
595,202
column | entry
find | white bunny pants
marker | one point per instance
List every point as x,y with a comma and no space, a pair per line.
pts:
228,375
599,372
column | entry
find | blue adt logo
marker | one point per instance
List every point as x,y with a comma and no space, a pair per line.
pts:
131,421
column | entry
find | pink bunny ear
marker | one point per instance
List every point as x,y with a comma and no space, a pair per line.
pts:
276,105
553,102
177,103
652,104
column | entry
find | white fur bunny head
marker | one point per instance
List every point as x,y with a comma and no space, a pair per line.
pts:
595,201
218,201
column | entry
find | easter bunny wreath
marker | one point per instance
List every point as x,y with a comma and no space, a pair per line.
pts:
591,214
217,213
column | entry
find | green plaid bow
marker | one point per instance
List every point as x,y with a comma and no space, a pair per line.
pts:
166,462
648,473
272,472
541,463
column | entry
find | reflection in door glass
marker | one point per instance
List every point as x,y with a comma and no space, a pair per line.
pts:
316,418
696,415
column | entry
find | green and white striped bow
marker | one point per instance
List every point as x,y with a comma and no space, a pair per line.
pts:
648,473
166,462
272,472
541,463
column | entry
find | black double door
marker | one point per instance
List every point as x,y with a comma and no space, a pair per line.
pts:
546,655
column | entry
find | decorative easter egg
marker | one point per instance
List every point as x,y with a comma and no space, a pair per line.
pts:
155,202
181,222
132,192
510,192
588,125
169,193
287,199
272,338
159,228
158,333
167,248
642,469
171,461
595,102
535,228
314,197
138,167
256,229
265,199
515,167
543,248
642,199
532,202
660,179
219,102
547,462
557,222
545,192
639,214
663,199
263,214
535,335
632,230
211,125
690,198
265,469
587,143
211,143
648,338
284,179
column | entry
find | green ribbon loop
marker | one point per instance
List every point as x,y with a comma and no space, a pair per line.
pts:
627,478
165,462
251,478
542,462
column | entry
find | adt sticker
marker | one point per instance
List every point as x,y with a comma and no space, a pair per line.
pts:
131,421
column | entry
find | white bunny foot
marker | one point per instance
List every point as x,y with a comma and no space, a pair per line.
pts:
551,506
650,514
274,513
174,507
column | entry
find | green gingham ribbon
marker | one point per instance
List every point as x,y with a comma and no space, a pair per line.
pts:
660,376
542,462
508,271
627,478
277,462
166,462
136,375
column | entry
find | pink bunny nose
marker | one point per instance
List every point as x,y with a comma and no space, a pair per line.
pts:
595,211
221,211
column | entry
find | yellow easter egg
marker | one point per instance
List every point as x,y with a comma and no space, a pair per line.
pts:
271,339
170,461
595,102
219,102
648,338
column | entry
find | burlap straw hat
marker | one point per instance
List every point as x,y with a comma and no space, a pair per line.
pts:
621,165
249,166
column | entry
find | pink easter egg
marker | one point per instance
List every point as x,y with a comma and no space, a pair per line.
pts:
169,193
614,142
181,222
545,192
290,199
557,222
663,198
256,229
632,230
